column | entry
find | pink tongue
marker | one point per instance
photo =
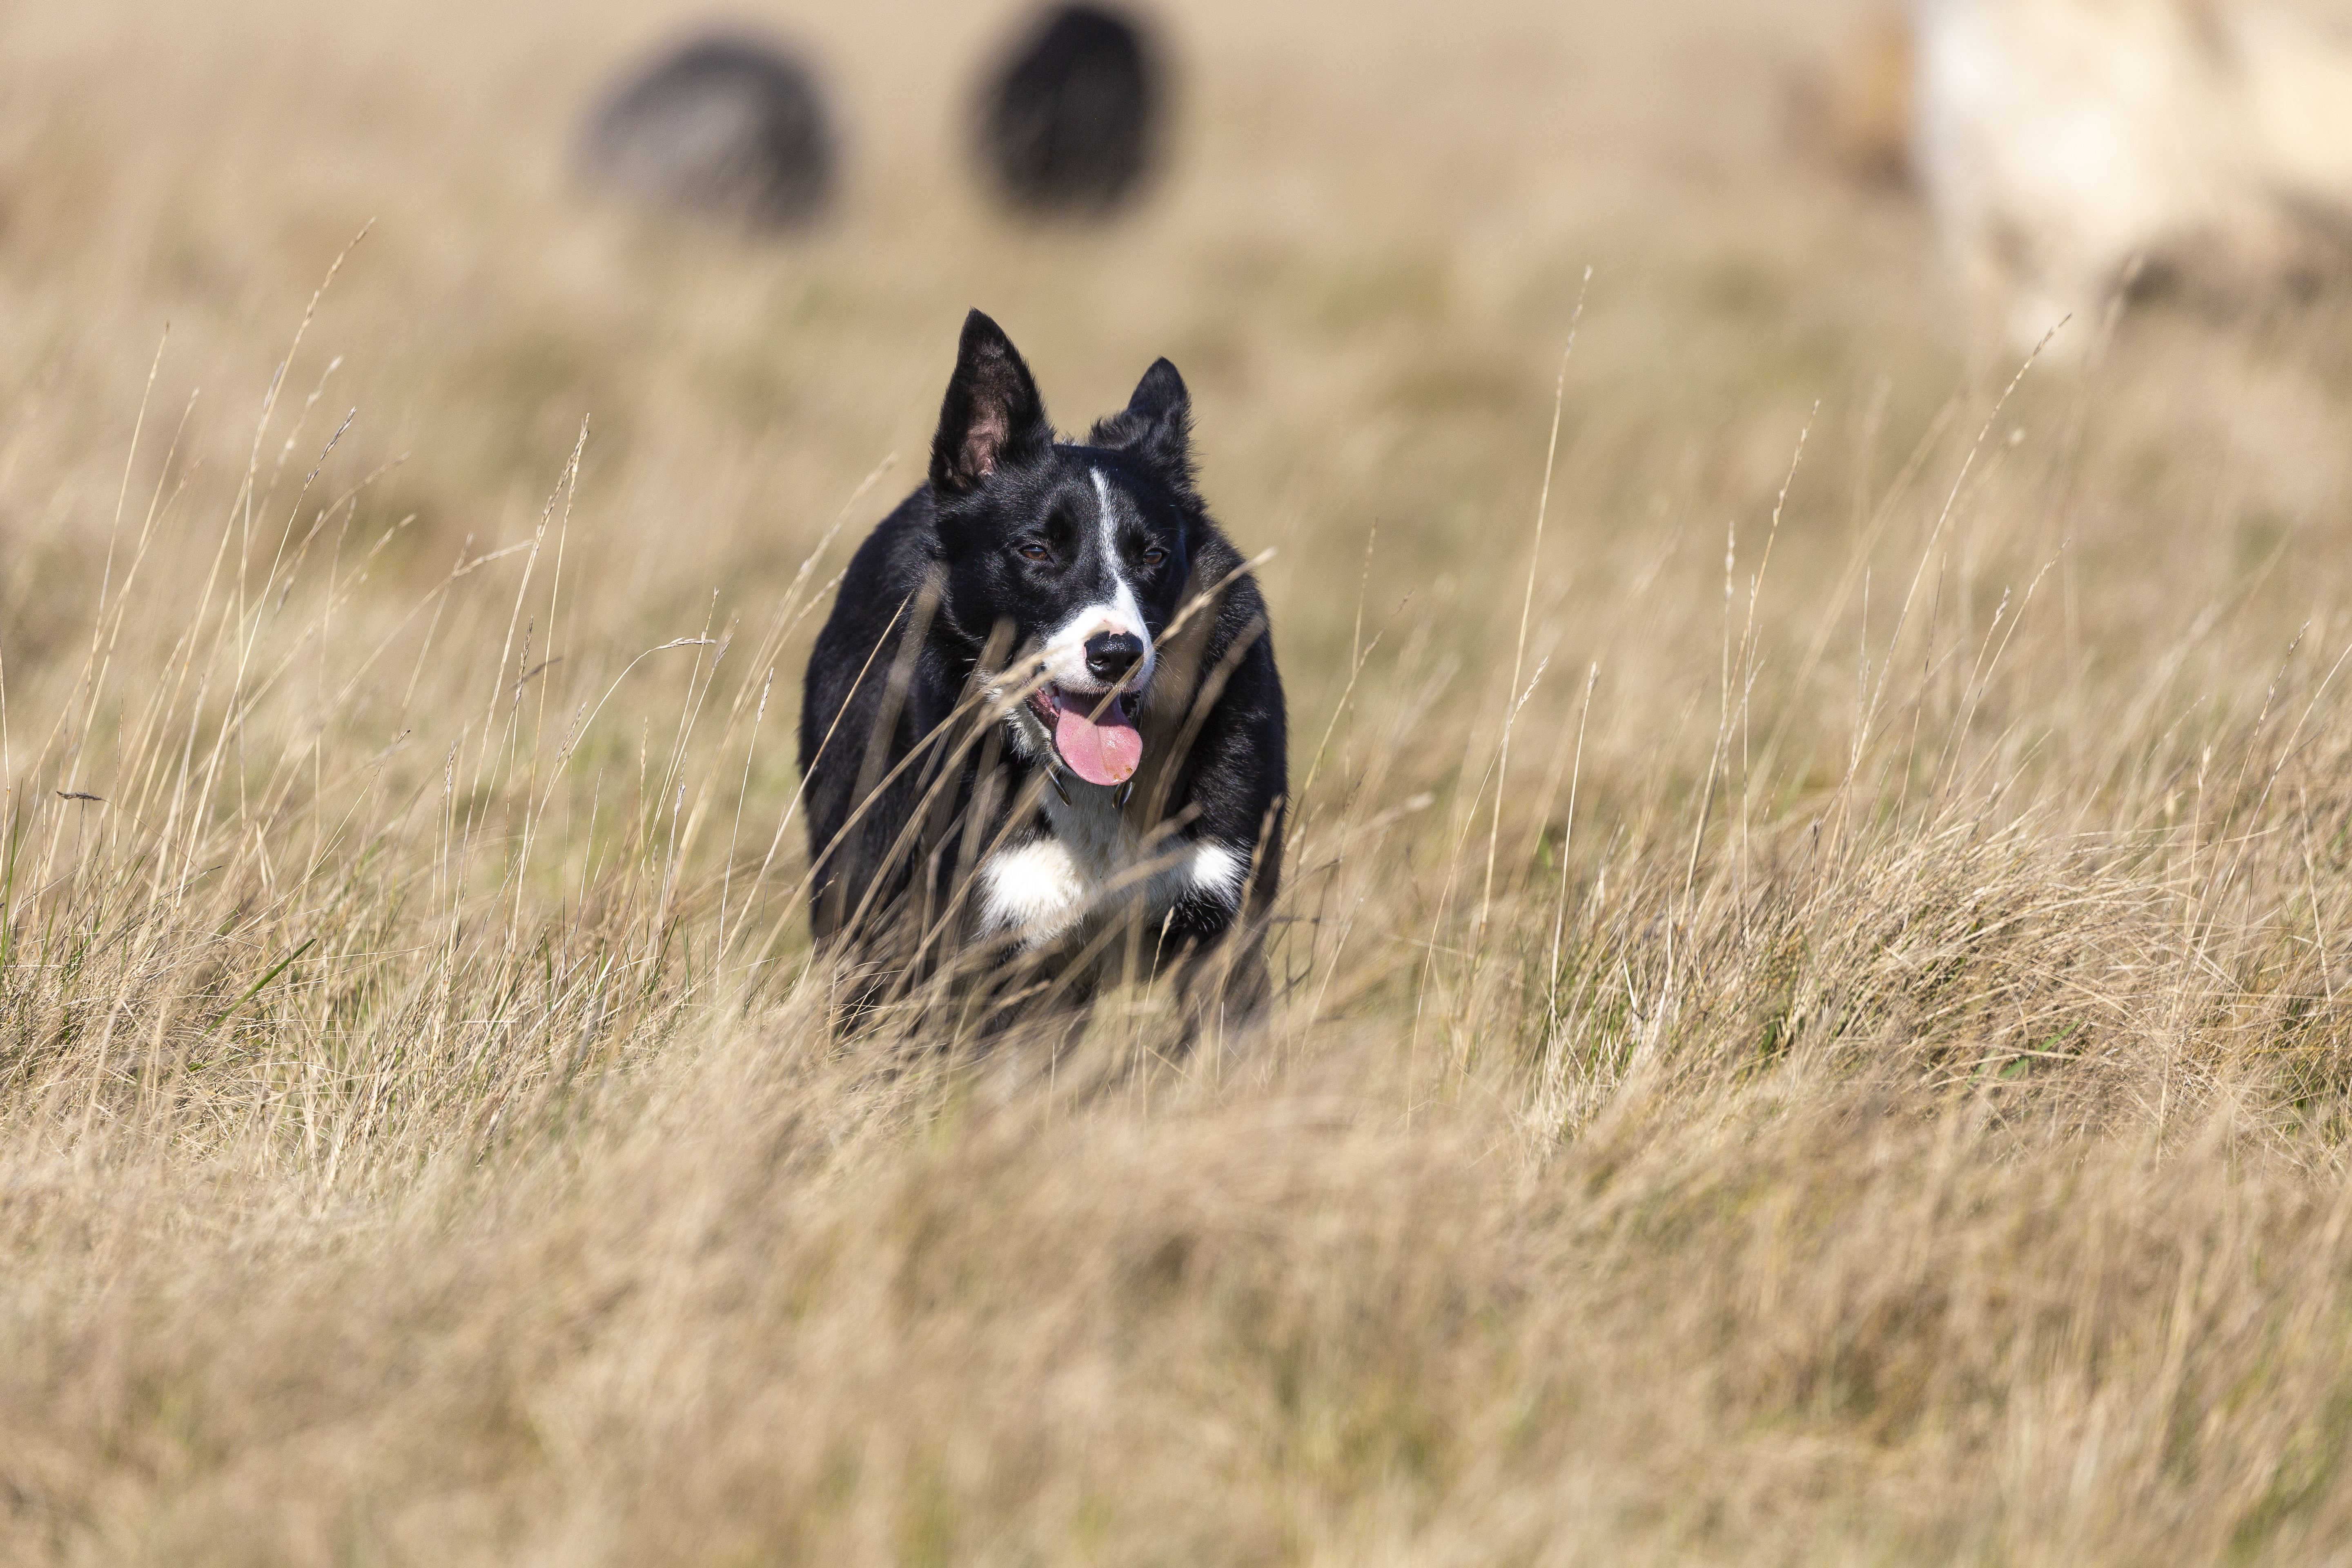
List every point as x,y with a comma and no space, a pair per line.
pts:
1101,753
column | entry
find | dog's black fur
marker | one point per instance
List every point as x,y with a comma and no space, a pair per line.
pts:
941,809
1070,122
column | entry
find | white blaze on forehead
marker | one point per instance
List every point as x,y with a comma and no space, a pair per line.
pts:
1122,592
1064,653
1122,607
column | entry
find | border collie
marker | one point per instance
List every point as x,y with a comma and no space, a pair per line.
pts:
1043,726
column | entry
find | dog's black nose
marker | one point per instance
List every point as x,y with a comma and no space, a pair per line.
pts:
1112,655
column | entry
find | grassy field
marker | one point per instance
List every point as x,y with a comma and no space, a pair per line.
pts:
1816,962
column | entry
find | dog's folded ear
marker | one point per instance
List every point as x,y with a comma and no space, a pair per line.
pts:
1156,426
991,414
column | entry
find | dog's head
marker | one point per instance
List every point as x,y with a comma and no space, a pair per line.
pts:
1075,558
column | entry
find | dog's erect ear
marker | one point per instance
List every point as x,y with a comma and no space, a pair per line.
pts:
991,414
1156,425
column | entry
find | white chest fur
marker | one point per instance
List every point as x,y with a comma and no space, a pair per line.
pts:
1091,866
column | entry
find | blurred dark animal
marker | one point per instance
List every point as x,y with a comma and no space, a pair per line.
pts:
725,126
1853,111
1070,122
1043,717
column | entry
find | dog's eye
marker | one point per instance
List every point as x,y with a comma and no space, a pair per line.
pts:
1154,556
1033,553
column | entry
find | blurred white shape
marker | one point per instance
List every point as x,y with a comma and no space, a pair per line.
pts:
2065,145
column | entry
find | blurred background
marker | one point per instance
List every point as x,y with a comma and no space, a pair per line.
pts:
1363,245
1363,248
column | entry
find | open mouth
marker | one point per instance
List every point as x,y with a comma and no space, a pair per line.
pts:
1094,735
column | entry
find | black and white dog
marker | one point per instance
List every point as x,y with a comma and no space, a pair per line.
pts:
1043,716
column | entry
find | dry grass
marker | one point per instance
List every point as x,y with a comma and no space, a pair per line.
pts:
1859,1076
